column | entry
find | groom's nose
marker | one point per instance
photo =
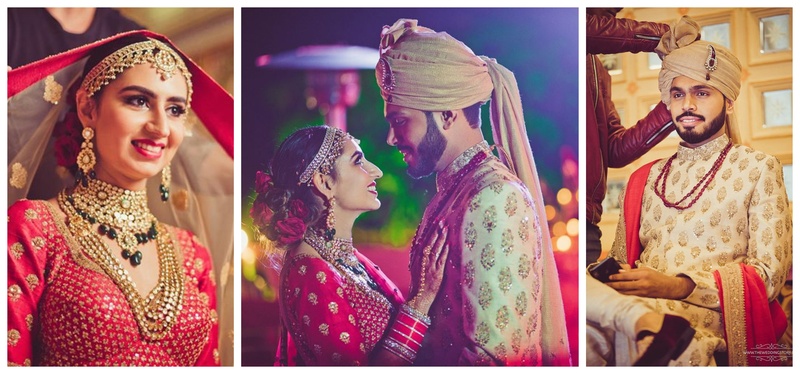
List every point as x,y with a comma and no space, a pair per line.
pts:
390,138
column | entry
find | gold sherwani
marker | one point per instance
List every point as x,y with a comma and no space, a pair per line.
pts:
488,308
742,217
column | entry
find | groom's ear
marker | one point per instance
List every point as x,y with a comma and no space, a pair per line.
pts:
323,184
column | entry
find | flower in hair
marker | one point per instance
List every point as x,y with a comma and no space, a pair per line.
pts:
263,182
261,213
298,209
291,230
68,140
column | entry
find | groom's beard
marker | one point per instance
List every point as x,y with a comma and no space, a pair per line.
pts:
429,150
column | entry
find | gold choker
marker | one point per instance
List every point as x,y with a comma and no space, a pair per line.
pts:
122,215
341,254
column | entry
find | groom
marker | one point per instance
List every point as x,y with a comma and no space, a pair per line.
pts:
500,301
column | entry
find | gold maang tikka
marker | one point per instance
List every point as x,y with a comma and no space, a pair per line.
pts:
161,56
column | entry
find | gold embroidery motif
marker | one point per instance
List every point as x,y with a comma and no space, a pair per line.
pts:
216,356
504,279
29,321
490,218
302,270
511,205
485,295
323,328
312,298
32,280
482,334
351,319
516,341
198,264
695,252
306,320
333,307
502,318
321,277
500,350
766,237
13,337
14,292
487,256
469,276
340,291
52,90
523,229
497,187
680,258
38,243
344,337
470,236
16,250
521,306
507,242
682,239
474,203
743,164
19,176
524,266
204,298
699,228
532,324
214,316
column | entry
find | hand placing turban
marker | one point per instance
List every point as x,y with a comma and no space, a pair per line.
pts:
683,54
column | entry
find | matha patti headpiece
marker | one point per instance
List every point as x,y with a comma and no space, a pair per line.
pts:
332,147
163,58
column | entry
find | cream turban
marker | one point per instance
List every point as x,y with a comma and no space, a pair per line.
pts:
684,54
432,71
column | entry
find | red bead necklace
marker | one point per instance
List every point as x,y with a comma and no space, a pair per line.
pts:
661,181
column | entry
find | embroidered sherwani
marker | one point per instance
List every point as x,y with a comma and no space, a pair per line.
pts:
742,217
63,310
487,311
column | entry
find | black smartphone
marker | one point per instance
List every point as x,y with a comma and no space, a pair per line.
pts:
604,268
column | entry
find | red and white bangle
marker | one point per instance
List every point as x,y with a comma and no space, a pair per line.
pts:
405,336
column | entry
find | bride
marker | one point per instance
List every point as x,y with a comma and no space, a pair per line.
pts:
337,307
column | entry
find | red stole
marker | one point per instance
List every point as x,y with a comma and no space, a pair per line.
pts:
751,324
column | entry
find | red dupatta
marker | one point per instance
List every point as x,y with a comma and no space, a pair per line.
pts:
752,323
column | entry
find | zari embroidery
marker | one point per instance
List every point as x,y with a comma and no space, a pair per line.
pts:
733,305
52,90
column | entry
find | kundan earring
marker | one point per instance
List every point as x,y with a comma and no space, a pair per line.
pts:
86,158
166,178
330,221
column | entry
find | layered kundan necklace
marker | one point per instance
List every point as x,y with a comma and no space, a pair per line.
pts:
661,181
123,216
341,253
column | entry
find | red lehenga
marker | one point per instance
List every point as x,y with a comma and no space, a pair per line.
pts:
64,310
331,316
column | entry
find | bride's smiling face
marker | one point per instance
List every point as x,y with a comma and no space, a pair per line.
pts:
355,186
138,120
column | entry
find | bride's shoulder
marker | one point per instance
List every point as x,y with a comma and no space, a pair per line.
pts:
26,212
